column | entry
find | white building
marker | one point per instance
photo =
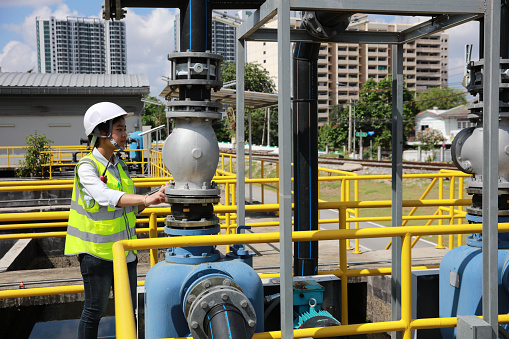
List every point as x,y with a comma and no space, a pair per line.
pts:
81,45
54,104
448,122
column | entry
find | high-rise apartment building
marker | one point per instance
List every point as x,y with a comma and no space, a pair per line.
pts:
344,68
223,40
81,45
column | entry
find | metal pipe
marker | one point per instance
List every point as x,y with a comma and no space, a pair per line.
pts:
225,322
305,130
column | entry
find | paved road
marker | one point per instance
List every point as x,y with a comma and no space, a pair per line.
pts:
365,245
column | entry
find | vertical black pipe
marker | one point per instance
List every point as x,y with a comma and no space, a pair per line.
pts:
305,132
504,30
195,36
305,154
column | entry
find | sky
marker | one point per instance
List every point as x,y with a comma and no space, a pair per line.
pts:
150,37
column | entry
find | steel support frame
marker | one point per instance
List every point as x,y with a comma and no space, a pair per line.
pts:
241,169
285,168
491,84
457,12
397,179
429,27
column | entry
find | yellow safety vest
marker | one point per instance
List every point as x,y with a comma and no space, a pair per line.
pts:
94,229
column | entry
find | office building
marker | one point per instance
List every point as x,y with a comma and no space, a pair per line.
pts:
343,68
81,45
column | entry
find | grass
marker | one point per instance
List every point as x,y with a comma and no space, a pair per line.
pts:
376,190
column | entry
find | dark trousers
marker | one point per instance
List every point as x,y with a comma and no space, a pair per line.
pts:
97,280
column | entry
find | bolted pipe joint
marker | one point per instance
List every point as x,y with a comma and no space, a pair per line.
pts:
216,307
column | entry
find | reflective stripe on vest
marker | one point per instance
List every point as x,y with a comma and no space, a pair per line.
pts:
93,229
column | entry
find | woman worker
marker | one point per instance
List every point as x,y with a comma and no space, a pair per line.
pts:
103,209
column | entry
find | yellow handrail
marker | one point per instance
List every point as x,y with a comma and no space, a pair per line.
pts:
124,314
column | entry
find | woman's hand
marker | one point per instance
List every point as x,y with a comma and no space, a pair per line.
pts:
156,198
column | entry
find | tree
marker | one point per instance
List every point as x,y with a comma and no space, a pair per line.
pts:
335,113
257,79
373,112
331,136
441,97
429,137
38,153
154,115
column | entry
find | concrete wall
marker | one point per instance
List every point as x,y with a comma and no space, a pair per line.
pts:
59,117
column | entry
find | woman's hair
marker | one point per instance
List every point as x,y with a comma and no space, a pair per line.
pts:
105,126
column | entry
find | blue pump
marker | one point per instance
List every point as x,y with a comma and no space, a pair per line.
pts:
460,285
136,145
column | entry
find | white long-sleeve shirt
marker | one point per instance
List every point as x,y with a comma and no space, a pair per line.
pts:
94,190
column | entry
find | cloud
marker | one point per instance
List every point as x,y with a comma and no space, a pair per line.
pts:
149,40
30,3
27,28
18,57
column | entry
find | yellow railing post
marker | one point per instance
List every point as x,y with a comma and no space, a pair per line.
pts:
227,215
125,327
343,267
406,284
356,194
460,209
152,225
319,211
342,190
263,186
277,186
440,244
451,210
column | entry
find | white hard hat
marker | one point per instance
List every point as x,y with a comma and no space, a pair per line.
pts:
101,112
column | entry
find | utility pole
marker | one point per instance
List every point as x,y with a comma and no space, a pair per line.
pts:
353,127
268,126
350,127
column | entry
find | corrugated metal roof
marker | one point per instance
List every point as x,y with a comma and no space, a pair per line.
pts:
18,79
226,96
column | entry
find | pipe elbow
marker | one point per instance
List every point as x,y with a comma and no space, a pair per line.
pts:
324,24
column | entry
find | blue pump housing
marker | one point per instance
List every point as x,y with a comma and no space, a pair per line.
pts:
136,144
167,284
460,285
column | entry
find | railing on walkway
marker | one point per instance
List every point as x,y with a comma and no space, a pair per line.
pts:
10,156
349,208
123,308
66,156
62,156
125,327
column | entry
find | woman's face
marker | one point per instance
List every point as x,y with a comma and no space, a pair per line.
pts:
118,132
